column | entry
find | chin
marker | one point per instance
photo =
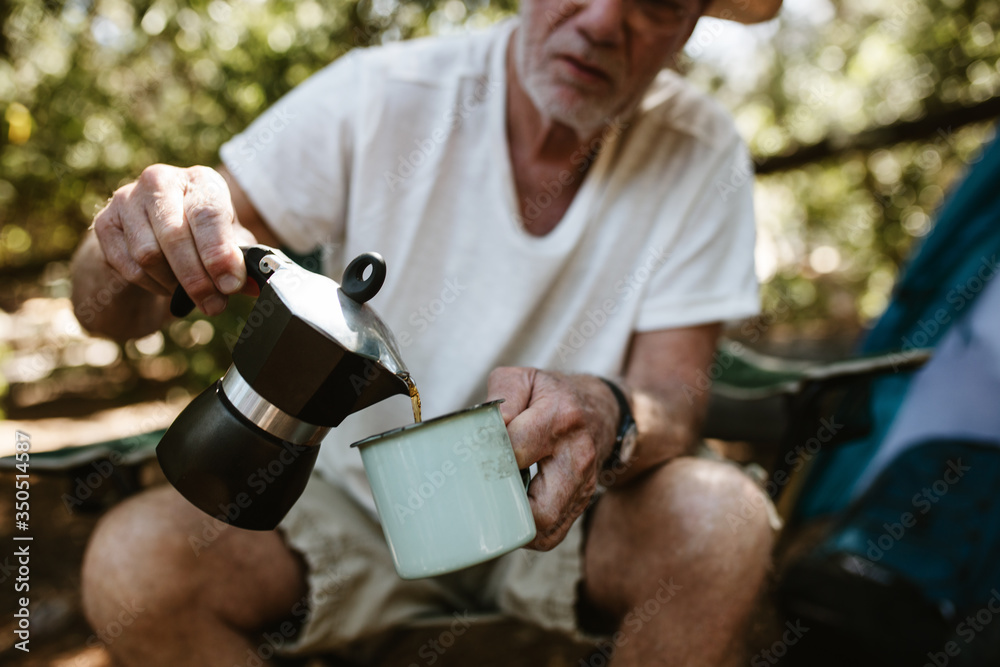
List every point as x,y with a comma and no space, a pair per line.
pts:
565,104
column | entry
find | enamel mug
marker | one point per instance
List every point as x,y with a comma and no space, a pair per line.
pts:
448,491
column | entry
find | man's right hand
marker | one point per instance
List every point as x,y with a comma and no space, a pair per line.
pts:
172,226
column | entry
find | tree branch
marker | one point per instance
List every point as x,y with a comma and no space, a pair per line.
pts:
942,122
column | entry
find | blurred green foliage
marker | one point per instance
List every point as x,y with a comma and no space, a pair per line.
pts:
92,91
834,233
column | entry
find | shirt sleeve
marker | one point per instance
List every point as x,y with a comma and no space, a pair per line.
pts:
294,160
707,271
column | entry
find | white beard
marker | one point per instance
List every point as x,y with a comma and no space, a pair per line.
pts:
585,114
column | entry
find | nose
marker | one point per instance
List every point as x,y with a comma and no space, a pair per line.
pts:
602,22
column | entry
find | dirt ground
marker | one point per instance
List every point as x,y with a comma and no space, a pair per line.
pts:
58,632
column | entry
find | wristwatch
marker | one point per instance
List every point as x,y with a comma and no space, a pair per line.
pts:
628,432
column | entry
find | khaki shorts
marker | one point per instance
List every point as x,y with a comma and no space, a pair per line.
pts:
356,599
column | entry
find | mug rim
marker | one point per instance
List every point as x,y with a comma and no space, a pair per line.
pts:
399,429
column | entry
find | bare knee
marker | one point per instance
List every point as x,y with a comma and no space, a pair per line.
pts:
134,558
716,506
702,523
158,554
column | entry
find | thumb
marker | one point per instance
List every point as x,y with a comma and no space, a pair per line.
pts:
243,235
514,386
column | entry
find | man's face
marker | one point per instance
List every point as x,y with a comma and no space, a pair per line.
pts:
585,61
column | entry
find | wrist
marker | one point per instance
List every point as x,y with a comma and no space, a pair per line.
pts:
624,440
105,303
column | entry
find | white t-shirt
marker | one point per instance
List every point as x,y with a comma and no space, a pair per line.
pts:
402,150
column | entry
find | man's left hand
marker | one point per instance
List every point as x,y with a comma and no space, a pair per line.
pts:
565,423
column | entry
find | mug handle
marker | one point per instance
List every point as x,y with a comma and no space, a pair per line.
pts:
528,474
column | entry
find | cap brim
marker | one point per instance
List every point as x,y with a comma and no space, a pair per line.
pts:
744,11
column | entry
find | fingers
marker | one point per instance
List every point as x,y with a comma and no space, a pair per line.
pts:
557,497
562,490
154,198
159,199
178,204
245,237
554,419
549,423
176,226
110,232
531,436
514,386
211,218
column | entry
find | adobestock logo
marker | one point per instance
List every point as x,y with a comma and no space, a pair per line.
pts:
425,148
424,491
594,319
421,319
433,649
923,502
464,451
967,630
770,656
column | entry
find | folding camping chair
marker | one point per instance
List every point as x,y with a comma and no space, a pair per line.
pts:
889,583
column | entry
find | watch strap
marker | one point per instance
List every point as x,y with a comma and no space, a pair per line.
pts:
625,422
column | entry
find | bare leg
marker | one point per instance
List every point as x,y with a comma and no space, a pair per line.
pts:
157,592
665,557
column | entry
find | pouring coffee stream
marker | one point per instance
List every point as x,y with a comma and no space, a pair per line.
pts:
310,354
414,398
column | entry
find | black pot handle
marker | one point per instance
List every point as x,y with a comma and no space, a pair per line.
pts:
355,286
181,304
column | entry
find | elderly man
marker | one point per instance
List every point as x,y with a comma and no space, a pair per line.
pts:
555,208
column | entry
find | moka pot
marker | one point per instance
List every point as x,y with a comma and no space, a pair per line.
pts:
311,353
